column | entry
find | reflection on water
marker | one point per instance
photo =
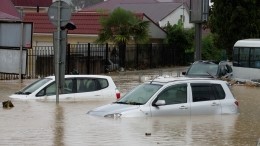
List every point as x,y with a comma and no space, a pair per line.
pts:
46,123
59,125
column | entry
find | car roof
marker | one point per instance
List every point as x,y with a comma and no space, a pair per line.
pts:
82,76
211,62
168,79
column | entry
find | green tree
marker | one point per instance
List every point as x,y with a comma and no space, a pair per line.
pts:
232,20
120,27
181,39
208,50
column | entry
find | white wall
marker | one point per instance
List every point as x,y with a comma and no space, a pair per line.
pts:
174,17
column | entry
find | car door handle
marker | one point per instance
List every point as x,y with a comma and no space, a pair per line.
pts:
214,104
183,107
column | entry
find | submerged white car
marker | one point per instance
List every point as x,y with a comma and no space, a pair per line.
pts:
76,87
168,96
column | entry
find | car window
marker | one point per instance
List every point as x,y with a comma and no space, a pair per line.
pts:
103,83
229,69
203,69
90,84
175,94
206,92
220,93
68,86
51,89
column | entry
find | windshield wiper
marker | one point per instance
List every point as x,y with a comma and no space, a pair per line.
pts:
24,93
120,102
27,93
135,103
18,92
132,103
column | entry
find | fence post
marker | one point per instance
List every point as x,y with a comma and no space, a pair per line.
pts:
150,55
137,46
68,59
88,60
106,59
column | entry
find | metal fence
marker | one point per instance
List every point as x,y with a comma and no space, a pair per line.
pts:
101,58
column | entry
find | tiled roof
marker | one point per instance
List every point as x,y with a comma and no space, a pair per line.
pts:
152,8
112,4
164,9
32,3
41,23
86,23
8,11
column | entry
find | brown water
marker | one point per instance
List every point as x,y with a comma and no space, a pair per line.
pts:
32,123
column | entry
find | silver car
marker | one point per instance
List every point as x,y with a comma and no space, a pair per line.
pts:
169,96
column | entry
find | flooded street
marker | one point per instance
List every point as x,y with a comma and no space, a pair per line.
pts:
32,123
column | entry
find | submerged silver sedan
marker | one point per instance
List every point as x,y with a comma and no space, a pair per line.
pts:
170,96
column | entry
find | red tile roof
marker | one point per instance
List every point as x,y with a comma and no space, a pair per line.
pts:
155,9
8,11
32,3
86,23
111,4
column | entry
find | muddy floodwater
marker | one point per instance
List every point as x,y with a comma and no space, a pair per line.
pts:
33,123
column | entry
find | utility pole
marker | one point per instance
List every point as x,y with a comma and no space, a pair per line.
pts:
59,14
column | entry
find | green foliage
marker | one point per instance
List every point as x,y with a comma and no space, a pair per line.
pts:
121,26
209,51
232,20
181,38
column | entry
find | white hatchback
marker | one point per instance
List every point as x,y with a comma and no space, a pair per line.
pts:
168,96
76,87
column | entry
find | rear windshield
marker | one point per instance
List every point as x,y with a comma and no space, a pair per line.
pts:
203,69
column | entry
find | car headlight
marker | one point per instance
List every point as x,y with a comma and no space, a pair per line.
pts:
115,115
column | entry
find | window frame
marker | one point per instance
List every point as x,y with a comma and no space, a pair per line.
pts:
168,88
213,92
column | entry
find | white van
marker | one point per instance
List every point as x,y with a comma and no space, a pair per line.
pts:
246,59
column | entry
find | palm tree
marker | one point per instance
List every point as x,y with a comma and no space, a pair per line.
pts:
120,27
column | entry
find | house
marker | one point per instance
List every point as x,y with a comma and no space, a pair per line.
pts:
87,28
160,11
31,6
8,11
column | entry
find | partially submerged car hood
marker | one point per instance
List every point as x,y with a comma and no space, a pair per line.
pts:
112,109
18,96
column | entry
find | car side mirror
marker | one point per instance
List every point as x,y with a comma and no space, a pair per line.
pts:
183,73
160,102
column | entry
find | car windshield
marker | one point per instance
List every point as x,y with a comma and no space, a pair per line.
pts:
140,95
203,69
34,86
